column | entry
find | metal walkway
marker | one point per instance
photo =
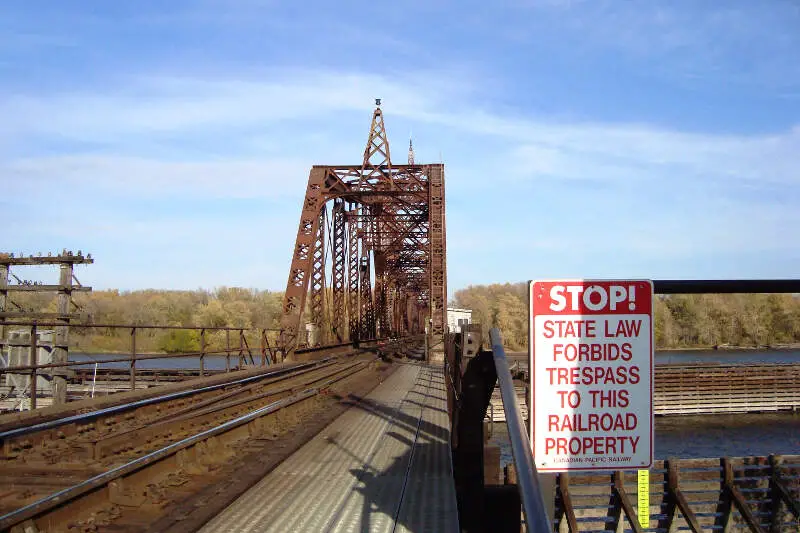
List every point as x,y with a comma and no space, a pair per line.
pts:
384,465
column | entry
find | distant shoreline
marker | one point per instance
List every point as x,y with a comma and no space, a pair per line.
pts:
727,348
708,349
776,348
116,352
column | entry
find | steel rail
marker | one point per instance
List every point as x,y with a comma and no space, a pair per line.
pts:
217,404
314,349
410,464
536,517
52,424
143,357
228,399
362,344
63,496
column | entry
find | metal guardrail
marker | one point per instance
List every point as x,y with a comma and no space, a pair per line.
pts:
58,369
533,505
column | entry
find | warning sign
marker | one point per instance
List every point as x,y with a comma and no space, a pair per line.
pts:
591,364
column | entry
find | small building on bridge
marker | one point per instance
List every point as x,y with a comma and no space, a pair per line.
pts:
456,318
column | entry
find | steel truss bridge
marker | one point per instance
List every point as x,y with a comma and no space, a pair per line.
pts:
369,259
318,426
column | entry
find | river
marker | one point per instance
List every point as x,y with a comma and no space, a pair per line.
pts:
212,362
679,436
671,357
689,437
217,362
711,435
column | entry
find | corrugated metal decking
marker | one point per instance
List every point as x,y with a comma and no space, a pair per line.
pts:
384,465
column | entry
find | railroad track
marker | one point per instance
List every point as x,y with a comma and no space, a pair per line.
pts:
132,465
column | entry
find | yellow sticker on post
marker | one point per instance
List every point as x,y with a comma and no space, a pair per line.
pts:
643,498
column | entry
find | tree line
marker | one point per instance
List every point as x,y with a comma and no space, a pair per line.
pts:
681,321
221,307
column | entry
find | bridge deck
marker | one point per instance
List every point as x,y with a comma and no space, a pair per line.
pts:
384,465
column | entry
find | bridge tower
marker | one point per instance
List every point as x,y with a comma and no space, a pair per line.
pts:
376,230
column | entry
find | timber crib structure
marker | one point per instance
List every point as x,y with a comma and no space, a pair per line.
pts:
758,494
369,257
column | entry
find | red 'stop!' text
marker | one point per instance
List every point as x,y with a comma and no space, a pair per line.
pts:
591,298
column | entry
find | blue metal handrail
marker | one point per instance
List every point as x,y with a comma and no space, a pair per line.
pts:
536,517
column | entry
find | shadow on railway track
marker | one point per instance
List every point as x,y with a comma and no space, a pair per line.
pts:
398,492
397,417
406,477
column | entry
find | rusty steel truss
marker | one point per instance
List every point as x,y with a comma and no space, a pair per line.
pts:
369,259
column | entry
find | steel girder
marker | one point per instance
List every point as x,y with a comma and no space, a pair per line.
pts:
353,254
318,284
339,245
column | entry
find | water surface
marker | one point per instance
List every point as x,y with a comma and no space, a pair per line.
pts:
691,437
671,357
212,362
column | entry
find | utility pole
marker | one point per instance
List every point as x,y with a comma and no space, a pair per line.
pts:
66,262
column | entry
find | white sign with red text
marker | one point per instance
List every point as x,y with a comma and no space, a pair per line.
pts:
591,365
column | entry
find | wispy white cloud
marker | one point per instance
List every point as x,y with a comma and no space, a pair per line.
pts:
630,152
301,102
256,138
173,248
145,177
635,153
153,106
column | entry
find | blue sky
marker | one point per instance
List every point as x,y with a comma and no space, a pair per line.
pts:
172,140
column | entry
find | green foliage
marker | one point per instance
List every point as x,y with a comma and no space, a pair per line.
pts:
502,305
230,307
180,340
680,321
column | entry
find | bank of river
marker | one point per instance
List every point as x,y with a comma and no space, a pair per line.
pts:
661,358
211,362
669,357
727,356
